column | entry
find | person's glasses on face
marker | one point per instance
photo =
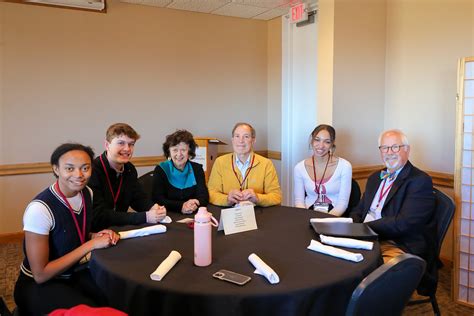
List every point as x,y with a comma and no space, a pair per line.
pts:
395,148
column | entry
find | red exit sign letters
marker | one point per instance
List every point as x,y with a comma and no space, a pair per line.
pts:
298,13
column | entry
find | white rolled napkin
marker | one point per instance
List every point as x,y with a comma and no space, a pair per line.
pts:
346,242
335,252
331,220
165,266
166,220
145,231
186,220
263,269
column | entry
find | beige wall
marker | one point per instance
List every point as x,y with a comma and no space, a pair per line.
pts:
425,38
68,74
76,72
359,71
395,67
325,61
274,83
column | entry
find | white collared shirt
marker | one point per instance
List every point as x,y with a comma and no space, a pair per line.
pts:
375,211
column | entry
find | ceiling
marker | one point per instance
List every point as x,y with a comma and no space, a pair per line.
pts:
249,9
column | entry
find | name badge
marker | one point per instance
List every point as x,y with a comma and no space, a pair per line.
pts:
321,207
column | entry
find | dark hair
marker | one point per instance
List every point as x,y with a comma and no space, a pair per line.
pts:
118,129
252,130
177,137
67,147
324,127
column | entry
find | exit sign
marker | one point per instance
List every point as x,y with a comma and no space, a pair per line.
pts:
298,13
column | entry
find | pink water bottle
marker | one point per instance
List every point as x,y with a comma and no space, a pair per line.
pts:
203,222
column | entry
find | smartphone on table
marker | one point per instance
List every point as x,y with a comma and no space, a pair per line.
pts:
233,277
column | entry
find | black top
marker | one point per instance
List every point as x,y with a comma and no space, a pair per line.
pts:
311,283
164,193
131,195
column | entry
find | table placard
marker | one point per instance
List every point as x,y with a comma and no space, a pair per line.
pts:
238,219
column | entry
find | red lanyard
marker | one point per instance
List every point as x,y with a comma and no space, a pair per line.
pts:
382,192
317,187
241,184
115,196
82,236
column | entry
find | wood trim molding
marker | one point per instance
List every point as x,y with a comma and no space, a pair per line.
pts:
147,161
275,155
442,179
363,172
25,168
359,172
11,237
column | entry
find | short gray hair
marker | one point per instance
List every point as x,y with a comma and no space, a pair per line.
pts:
252,130
395,131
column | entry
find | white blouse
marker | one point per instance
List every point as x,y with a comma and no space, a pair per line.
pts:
338,187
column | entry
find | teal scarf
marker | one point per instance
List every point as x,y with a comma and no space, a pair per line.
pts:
179,179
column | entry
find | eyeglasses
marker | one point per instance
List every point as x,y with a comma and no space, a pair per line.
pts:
395,148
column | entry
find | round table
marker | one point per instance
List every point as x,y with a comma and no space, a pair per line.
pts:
310,283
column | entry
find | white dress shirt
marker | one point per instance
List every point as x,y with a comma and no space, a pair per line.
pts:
375,211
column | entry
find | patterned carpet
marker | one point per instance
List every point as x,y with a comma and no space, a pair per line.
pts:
11,255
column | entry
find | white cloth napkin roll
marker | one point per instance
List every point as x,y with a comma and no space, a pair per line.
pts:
346,242
165,266
166,220
331,220
335,252
145,231
263,269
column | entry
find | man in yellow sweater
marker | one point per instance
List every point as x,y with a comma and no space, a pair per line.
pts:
243,176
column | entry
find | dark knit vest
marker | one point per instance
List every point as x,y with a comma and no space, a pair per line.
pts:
63,236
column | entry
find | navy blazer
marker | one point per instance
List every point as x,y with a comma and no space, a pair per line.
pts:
407,214
407,211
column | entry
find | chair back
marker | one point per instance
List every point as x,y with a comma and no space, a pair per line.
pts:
444,212
146,181
354,198
387,289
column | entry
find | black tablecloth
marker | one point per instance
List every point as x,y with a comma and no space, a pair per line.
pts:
310,283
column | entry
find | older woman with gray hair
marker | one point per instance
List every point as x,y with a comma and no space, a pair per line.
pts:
180,184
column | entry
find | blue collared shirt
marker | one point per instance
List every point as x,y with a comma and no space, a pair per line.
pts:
242,166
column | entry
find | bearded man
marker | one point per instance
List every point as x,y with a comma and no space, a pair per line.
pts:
398,204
